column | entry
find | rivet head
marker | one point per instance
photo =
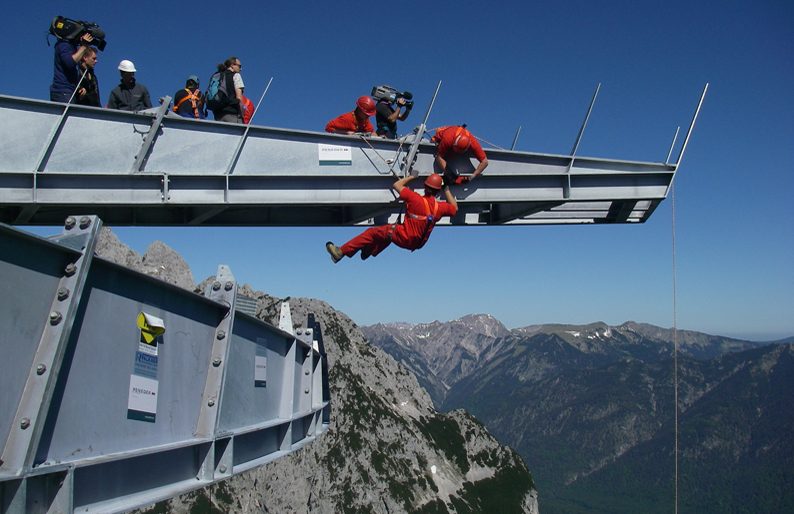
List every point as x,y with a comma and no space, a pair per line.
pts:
306,372
40,369
211,402
221,334
85,222
216,361
306,391
222,468
71,269
70,223
63,293
299,332
24,423
55,317
216,285
228,285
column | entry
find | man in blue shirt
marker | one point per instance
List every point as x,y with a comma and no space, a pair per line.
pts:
66,73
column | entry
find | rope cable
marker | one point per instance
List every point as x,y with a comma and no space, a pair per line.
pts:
675,346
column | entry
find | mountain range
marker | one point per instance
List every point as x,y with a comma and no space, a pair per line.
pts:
591,409
387,449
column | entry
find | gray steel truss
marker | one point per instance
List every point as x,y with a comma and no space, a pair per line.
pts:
155,168
93,418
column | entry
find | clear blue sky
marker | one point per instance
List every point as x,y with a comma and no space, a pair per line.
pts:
503,64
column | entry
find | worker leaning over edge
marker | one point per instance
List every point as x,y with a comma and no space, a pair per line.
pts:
356,120
459,140
421,215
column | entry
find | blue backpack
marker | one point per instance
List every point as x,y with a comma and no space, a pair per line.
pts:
217,95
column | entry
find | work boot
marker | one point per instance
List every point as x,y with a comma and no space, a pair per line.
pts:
366,253
334,251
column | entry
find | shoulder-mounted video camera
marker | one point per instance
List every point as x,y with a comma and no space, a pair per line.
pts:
72,31
391,95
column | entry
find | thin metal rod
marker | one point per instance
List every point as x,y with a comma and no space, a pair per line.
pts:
515,139
151,135
672,145
586,119
675,349
692,125
566,187
241,142
256,109
55,131
420,132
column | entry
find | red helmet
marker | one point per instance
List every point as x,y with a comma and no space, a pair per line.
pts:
434,181
366,104
461,143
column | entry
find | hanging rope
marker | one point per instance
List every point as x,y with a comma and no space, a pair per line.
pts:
675,349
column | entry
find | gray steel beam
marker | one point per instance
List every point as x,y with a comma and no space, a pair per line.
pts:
181,174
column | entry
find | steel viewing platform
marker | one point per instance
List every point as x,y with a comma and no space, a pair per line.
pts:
155,168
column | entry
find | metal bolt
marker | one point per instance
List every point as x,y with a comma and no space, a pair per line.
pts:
221,334
216,361
25,423
70,222
85,222
228,285
299,332
55,317
216,285
71,269
222,468
306,391
306,372
63,293
211,402
40,369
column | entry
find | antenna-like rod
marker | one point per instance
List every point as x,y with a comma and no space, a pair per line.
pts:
584,123
692,125
672,145
515,139
420,132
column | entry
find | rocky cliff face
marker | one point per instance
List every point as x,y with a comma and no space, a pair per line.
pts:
593,405
388,450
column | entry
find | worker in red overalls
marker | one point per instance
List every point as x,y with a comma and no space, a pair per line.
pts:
355,121
421,215
459,140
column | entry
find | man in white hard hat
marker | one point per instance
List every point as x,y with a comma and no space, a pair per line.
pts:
129,95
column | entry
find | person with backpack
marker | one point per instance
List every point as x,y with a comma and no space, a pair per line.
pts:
225,92
421,214
188,102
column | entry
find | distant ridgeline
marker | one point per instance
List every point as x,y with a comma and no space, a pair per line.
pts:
592,405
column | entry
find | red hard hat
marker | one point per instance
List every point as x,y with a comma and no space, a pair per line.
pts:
434,181
366,104
461,143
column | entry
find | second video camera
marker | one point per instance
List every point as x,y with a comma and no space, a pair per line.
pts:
391,95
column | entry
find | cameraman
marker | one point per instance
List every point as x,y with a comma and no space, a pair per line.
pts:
66,73
386,116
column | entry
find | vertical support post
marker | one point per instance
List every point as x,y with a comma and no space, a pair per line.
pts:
692,125
222,290
28,425
566,187
515,139
148,141
420,132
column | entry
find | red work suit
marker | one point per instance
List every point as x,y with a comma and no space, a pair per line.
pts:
421,215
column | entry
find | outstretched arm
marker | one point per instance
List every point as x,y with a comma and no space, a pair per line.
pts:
400,184
480,168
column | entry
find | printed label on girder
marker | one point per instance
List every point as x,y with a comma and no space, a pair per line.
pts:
333,155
